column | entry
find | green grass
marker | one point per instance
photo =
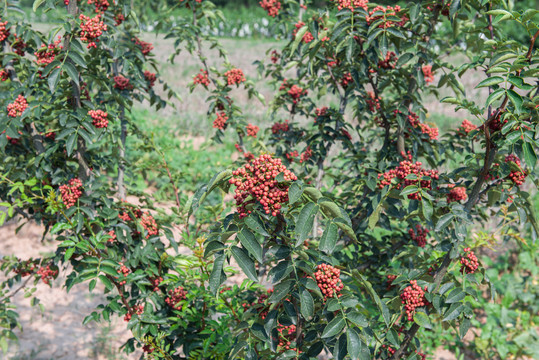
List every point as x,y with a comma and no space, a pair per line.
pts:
193,160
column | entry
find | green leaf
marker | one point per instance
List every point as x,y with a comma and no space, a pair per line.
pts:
383,45
334,327
381,305
329,238
453,312
357,318
72,72
249,242
245,262
422,319
53,79
71,142
254,223
306,304
353,343
529,155
465,325
69,253
216,276
106,282
428,210
281,290
494,96
412,189
37,4
491,81
455,295
516,99
455,6
294,192
443,222
304,224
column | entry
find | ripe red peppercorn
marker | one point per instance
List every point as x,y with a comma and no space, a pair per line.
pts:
71,192
257,180
328,280
17,107
99,118
469,262
412,297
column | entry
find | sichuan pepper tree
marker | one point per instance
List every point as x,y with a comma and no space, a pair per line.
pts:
361,249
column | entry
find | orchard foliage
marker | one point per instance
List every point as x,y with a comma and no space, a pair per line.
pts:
356,211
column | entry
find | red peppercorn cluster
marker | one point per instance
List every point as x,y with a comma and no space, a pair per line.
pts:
17,107
71,192
457,194
148,348
294,91
321,111
287,335
47,274
235,77
419,235
119,18
149,224
307,38
405,168
280,127
100,5
156,282
290,156
427,73
150,78
220,122
145,47
306,155
346,134
468,262
175,296
517,177
271,6
412,297
25,268
18,45
257,180
202,78
389,62
124,270
137,309
390,279
388,11
275,56
47,53
328,280
441,4
466,127
413,119
4,75
4,33
122,83
260,304
390,350
91,29
372,101
496,124
421,355
252,130
352,4
346,80
112,238
99,118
